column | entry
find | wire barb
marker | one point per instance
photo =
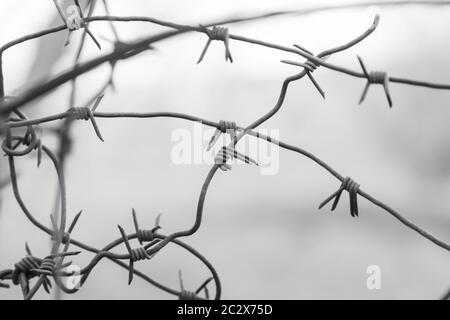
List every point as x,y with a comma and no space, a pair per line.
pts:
145,235
192,295
227,153
135,255
31,139
86,113
352,187
22,272
51,266
219,34
375,77
309,66
74,19
229,127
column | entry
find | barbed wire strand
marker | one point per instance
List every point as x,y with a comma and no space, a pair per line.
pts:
233,20
131,49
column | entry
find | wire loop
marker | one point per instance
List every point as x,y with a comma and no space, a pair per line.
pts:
31,140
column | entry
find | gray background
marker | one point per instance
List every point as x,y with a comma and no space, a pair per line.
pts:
264,234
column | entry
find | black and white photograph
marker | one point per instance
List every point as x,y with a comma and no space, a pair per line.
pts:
252,152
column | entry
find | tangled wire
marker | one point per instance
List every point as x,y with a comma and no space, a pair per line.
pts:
21,137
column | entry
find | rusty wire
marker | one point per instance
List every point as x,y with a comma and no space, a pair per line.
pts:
151,240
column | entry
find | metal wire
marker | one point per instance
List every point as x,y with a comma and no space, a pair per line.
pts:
150,240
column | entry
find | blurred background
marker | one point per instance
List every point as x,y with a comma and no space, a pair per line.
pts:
263,234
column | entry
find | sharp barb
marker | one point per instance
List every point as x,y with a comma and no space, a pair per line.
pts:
67,42
39,153
314,82
93,38
352,206
228,56
130,272
64,254
158,221
244,158
336,200
125,238
205,49
27,249
97,102
327,200
204,285
96,129
386,90
75,221
180,277
363,67
233,136
355,200
65,265
4,285
303,49
364,93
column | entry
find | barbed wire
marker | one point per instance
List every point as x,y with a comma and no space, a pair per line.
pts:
151,241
